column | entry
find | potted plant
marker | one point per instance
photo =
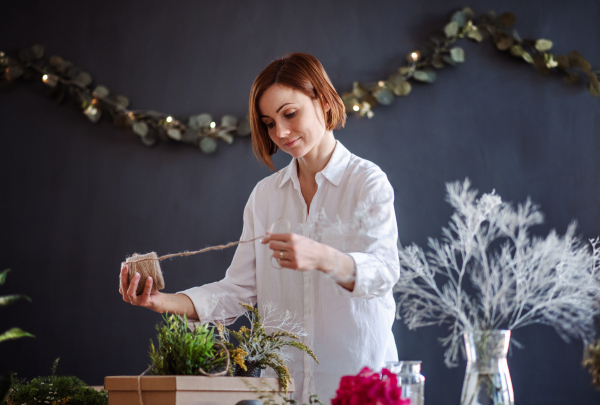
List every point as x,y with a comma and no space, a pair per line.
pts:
13,333
57,390
488,276
188,367
258,349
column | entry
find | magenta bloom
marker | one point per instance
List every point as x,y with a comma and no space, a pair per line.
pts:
370,388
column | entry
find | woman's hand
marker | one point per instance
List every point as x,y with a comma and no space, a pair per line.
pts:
148,299
300,253
179,304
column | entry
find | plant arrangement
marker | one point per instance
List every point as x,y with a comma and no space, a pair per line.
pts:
54,390
591,360
489,273
258,349
13,333
182,351
370,388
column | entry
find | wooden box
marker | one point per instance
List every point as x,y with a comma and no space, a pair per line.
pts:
186,390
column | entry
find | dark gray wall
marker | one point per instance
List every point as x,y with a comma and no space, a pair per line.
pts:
78,198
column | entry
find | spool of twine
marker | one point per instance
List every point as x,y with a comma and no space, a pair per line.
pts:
148,264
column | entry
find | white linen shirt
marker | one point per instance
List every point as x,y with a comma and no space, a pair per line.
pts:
352,211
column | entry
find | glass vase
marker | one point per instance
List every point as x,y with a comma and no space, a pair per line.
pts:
487,379
410,379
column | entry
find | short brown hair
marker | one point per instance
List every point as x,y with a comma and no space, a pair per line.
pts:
299,71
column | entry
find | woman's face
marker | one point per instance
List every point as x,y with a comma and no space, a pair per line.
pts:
294,121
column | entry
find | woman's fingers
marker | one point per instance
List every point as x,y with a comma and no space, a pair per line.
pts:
144,299
133,285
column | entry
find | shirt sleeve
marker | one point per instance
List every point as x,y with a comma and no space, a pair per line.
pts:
220,301
376,262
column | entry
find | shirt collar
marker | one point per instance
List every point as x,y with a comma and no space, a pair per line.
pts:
334,171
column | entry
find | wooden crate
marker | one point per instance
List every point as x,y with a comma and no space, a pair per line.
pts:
185,390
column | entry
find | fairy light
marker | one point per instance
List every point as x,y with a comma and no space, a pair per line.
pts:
213,124
356,108
169,119
45,78
415,56
381,83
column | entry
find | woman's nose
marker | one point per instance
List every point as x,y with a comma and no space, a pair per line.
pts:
281,130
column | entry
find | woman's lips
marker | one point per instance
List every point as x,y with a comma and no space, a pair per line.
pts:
291,143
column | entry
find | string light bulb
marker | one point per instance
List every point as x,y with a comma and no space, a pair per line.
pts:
45,78
169,119
381,83
415,56
356,108
213,124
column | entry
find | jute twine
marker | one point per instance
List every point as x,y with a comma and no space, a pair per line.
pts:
148,264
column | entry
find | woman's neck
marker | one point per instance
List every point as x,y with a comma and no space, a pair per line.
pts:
316,160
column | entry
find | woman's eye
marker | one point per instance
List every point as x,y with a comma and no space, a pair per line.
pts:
290,115
270,125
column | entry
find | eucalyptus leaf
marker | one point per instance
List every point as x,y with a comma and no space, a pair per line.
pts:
384,96
404,70
101,91
38,51
577,60
451,29
174,133
475,34
359,90
3,275
208,145
517,50
56,61
457,54
425,76
540,64
563,62
244,128
229,121
438,62
150,139
226,136
503,41
402,88
9,299
93,113
84,79
460,18
122,100
200,121
594,87
527,57
140,128
543,45
448,60
516,35
468,13
508,20
489,17
14,333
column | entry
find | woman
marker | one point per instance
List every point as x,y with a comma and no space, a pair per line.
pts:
337,276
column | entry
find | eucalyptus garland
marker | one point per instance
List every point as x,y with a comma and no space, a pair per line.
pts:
64,77
439,52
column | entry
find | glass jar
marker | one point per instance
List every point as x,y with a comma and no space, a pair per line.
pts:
487,379
410,379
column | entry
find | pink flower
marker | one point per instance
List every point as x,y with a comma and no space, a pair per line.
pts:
370,388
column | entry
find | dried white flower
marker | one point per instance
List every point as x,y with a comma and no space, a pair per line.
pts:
514,279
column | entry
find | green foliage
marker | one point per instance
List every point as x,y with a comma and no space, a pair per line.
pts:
182,351
54,390
262,348
272,397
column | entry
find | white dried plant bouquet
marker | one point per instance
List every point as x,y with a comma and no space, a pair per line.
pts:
488,272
